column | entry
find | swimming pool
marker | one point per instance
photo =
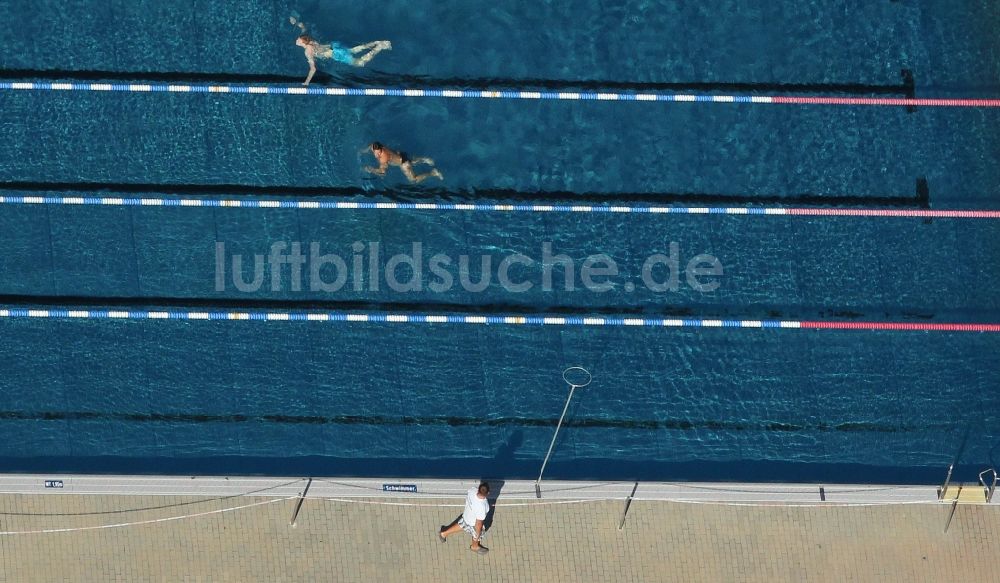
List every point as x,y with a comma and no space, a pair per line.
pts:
446,399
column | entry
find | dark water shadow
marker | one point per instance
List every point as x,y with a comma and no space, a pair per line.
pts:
409,193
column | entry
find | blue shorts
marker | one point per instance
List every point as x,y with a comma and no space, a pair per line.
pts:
342,54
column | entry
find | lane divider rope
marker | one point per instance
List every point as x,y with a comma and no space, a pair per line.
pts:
502,94
410,318
490,207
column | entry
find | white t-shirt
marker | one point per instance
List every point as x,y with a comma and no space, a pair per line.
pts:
476,508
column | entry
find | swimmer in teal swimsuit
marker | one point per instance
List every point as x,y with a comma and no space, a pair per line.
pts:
358,56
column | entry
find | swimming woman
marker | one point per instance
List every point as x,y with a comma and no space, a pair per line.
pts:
387,157
358,56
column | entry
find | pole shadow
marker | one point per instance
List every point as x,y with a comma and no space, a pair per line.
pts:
504,458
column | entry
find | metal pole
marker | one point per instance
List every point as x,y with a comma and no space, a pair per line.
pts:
951,514
947,481
958,456
538,490
298,505
988,488
628,502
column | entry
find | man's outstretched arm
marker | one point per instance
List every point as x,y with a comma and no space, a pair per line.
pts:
479,534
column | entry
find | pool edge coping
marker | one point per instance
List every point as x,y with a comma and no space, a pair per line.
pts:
426,490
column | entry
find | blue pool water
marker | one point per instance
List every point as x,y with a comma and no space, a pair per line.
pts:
376,399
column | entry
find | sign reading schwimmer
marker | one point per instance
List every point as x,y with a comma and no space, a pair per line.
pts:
411,488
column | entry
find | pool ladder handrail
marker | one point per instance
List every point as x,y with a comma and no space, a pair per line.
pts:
988,488
947,482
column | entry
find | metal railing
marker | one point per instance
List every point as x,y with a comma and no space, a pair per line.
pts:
991,487
947,482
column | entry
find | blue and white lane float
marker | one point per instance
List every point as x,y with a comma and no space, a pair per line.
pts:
628,96
485,320
491,207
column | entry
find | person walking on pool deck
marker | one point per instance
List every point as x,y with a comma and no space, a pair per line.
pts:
387,157
471,521
356,56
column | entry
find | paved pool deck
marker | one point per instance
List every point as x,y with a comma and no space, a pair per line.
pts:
128,528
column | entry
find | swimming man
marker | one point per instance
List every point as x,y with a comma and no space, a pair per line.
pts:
387,157
356,56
